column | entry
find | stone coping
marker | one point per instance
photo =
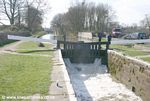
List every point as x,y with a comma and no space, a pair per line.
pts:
70,90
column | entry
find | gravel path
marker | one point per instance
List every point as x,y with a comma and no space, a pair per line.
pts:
10,47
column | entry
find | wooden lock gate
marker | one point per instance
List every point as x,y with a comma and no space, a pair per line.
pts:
80,52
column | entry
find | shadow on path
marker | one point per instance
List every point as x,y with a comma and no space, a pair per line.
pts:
33,51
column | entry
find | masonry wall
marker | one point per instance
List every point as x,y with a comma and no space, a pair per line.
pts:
134,73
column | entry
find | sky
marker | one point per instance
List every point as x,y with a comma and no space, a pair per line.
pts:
127,12
57,6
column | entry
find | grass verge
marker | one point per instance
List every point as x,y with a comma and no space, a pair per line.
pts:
33,48
32,45
129,50
146,59
22,75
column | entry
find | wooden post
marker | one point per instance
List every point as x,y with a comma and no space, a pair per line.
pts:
58,44
100,38
108,41
107,47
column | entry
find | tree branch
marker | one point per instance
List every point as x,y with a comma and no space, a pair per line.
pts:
2,23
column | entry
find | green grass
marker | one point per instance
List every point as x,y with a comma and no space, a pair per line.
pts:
146,59
135,53
97,39
146,45
22,75
40,51
128,50
33,48
39,33
32,45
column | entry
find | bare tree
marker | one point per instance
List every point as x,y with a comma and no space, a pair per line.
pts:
148,24
77,16
58,24
10,9
145,23
33,19
86,17
91,16
35,10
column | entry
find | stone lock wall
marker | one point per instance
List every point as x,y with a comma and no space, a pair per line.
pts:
134,73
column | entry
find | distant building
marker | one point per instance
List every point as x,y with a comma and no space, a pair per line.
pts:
86,35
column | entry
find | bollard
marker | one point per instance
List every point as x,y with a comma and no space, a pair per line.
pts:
100,35
108,41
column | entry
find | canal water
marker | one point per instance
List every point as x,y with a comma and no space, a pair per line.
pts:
91,82
50,37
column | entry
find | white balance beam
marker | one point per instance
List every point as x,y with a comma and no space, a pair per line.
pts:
130,41
13,37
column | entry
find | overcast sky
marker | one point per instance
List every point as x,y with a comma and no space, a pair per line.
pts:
127,11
